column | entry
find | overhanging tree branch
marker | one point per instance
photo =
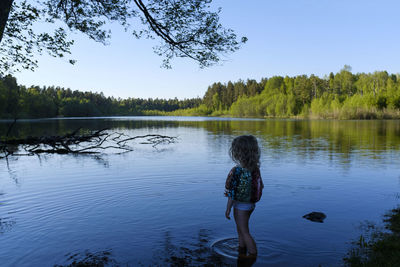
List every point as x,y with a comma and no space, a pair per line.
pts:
186,28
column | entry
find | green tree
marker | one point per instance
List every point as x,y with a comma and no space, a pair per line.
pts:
274,85
12,96
185,28
36,104
3,99
216,102
303,89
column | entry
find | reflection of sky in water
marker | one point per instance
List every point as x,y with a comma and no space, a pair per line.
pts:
150,204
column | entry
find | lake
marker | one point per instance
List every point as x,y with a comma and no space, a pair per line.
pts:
165,205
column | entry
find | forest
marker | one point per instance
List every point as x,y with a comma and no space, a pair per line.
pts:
342,95
17,101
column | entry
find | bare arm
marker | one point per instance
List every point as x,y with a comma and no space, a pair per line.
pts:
228,208
228,194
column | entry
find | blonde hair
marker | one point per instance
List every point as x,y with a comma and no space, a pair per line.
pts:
246,152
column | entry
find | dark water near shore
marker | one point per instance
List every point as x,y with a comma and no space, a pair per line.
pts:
165,206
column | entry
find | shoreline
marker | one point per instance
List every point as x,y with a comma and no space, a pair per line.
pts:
300,118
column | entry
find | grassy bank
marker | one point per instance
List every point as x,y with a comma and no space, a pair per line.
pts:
344,113
378,247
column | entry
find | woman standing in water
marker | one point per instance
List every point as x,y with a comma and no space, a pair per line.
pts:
243,188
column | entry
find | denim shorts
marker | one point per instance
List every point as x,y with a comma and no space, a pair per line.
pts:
243,205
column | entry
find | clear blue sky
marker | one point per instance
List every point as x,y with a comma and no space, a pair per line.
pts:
285,38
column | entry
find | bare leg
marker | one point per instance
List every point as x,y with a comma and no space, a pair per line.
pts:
242,224
241,241
242,250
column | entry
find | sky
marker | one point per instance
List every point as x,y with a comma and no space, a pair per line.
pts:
286,37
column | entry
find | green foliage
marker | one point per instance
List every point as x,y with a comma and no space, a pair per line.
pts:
35,102
10,94
340,96
75,107
19,43
378,247
3,98
201,110
185,28
322,106
222,96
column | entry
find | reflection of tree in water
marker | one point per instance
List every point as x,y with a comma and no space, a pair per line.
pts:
100,159
44,127
6,223
197,253
339,141
89,259
308,139
11,173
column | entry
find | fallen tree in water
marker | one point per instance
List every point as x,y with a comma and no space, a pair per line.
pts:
76,143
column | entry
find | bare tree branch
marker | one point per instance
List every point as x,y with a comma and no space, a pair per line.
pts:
74,143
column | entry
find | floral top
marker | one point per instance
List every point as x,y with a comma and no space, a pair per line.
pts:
244,186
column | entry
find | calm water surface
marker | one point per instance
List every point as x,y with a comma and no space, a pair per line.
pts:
165,205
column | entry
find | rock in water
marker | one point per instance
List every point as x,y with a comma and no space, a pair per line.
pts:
315,216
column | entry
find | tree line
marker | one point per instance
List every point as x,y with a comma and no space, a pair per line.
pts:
343,95
17,101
